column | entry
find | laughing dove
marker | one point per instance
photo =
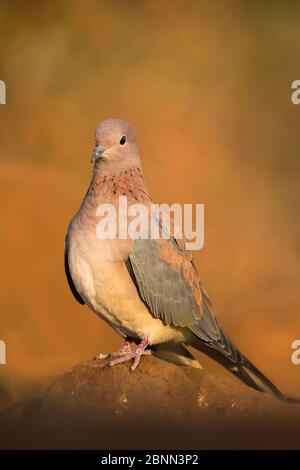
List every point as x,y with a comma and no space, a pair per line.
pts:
147,289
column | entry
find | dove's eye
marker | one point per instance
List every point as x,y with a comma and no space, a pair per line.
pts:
123,140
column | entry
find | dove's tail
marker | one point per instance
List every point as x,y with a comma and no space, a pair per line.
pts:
234,361
253,377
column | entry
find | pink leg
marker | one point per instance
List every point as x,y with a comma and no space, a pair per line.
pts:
132,354
124,349
140,350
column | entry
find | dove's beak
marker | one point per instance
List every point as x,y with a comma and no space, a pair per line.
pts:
97,154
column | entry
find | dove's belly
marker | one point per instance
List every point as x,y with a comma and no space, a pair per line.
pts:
107,288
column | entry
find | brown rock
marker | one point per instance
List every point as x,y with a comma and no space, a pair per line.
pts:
156,390
159,405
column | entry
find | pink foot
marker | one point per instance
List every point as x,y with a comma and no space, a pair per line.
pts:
124,349
132,354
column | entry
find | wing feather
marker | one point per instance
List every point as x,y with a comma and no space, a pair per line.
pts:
69,277
168,283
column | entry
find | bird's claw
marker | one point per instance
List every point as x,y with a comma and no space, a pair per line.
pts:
125,348
147,352
100,356
126,353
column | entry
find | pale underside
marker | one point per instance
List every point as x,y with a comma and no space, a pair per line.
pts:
104,283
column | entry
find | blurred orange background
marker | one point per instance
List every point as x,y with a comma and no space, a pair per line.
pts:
208,87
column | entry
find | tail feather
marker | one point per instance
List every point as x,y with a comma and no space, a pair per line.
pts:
257,380
208,336
231,358
249,374
175,353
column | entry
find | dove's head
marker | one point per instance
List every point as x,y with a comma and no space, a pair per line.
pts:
116,146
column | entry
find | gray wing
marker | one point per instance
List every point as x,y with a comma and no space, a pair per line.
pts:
168,283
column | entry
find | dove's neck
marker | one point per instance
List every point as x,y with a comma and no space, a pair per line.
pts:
107,189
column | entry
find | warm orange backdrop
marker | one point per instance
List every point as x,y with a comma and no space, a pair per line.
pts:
207,85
